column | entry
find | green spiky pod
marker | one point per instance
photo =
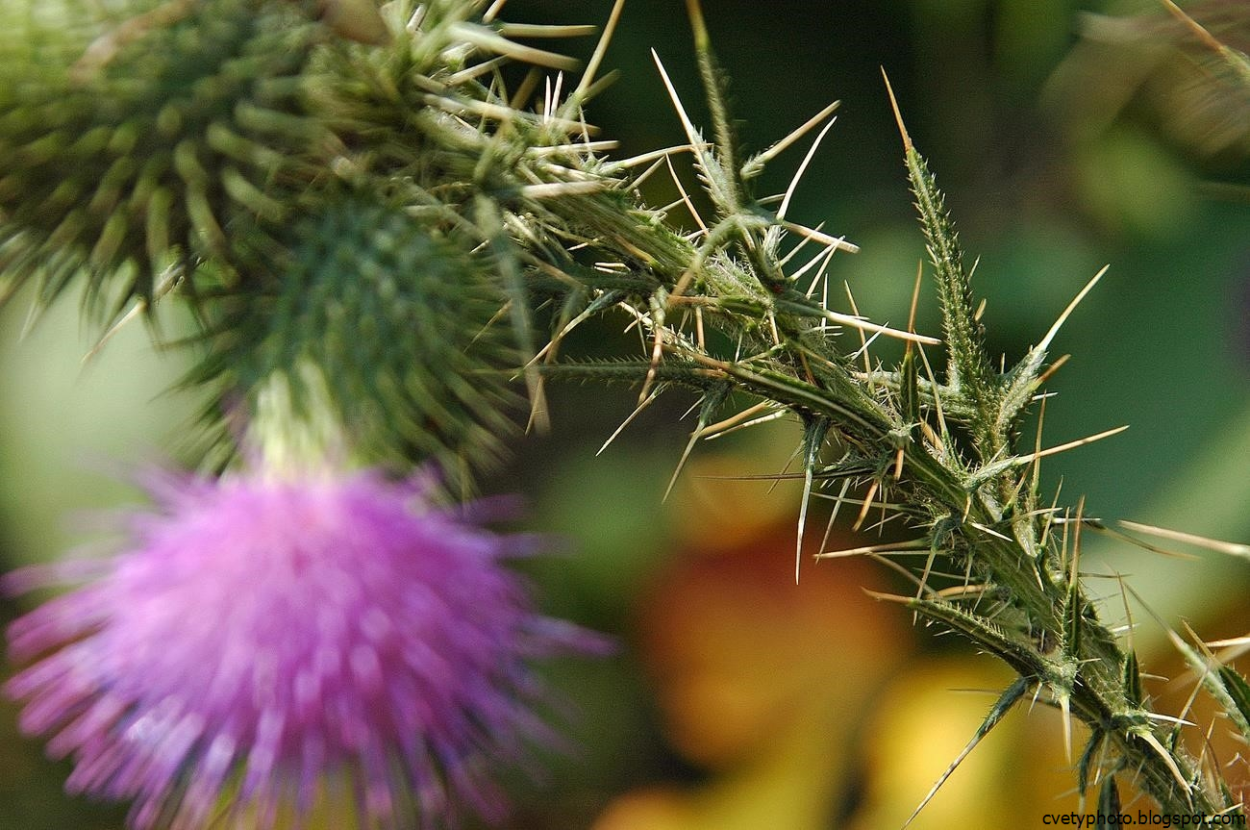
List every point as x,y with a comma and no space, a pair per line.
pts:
392,317
424,113
134,144
390,295
429,119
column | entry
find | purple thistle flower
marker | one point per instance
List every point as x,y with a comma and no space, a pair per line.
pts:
261,636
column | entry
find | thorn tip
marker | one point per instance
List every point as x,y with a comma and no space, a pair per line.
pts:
898,115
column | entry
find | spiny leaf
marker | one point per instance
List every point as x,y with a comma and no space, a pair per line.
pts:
986,634
1132,679
814,432
713,399
1169,760
1086,761
722,127
1020,384
1222,682
1109,799
909,387
1073,619
1001,707
753,166
969,365
506,257
1239,692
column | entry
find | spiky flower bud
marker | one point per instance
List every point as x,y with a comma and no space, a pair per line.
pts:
132,144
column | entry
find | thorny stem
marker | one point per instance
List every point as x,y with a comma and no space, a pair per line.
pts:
977,503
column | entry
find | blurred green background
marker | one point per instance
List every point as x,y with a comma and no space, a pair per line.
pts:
737,700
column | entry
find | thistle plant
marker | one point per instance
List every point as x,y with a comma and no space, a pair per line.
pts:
361,206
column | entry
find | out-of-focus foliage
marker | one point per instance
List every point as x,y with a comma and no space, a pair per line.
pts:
1187,72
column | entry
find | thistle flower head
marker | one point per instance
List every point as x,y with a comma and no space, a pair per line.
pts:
262,635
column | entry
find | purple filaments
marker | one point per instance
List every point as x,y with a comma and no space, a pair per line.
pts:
264,645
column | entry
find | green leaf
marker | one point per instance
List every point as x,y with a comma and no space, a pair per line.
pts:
1132,679
968,368
1239,695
